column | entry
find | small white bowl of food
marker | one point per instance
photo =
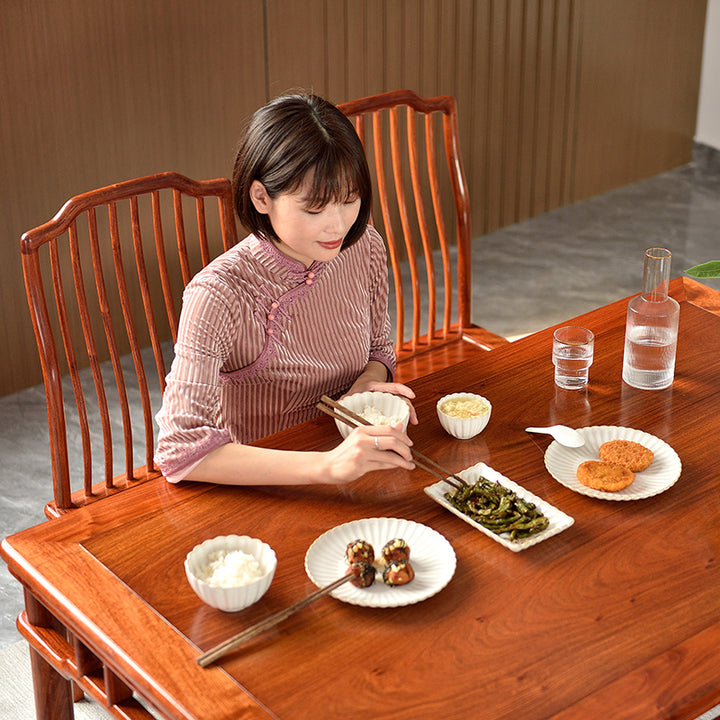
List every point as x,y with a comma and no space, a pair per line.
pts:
230,572
378,408
464,415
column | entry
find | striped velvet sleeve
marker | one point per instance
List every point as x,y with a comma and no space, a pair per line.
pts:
188,428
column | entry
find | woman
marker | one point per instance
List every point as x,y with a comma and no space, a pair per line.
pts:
296,310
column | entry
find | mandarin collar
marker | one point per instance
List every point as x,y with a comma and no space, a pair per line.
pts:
292,269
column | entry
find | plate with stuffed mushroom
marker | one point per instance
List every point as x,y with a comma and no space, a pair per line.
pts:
395,562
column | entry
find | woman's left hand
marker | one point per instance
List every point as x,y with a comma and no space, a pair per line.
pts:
368,384
400,390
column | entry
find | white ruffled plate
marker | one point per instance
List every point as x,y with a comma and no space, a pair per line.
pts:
557,519
431,555
562,463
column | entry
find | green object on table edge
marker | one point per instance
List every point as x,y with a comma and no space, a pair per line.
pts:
706,270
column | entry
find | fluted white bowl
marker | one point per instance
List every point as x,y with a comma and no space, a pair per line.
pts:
464,428
238,597
387,404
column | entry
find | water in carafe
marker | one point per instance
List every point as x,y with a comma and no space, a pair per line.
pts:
651,327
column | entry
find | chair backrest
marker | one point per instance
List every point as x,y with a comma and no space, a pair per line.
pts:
113,263
419,183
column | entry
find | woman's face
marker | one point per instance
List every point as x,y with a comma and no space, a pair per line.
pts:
306,233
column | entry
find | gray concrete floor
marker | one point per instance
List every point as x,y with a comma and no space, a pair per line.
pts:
526,277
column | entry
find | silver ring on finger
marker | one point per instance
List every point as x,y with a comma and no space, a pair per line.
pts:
377,443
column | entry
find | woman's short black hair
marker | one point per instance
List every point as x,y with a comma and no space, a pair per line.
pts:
290,137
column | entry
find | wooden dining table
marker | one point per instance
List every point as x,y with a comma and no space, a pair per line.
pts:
617,616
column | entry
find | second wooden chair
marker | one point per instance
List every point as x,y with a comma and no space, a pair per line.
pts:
413,149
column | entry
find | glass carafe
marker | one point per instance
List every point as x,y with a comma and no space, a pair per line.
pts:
651,327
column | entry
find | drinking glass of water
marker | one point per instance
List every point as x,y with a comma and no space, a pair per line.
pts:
572,356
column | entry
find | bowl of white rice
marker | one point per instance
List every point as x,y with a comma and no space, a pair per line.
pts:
230,572
463,415
378,408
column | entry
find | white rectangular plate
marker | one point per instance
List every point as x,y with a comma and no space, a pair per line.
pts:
557,520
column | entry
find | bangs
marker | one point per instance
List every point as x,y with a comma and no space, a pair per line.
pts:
328,182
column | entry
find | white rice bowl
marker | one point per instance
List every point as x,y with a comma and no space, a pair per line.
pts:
378,408
230,572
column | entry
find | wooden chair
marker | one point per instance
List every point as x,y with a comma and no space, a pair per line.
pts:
113,263
425,219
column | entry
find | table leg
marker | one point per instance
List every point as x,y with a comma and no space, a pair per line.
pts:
52,692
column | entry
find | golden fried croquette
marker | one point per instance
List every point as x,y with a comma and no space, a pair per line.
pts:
629,454
606,476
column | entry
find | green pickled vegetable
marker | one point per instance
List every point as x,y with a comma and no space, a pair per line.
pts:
498,509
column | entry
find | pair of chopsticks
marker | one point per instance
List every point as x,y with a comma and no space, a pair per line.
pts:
226,646
340,412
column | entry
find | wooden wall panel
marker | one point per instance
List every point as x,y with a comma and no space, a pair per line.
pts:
528,109
661,135
512,107
296,50
475,113
98,92
336,36
559,99
638,90
522,94
413,72
489,215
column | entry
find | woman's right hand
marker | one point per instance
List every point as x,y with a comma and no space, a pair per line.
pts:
368,448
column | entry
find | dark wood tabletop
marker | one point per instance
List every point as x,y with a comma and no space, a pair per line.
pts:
616,617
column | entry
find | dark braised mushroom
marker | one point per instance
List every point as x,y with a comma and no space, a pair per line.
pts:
364,573
360,550
398,572
395,549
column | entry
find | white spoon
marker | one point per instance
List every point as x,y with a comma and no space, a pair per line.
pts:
563,434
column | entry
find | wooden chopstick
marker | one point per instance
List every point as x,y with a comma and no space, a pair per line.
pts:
359,419
225,647
336,410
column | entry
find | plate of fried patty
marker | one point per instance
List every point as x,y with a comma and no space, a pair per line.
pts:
662,473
